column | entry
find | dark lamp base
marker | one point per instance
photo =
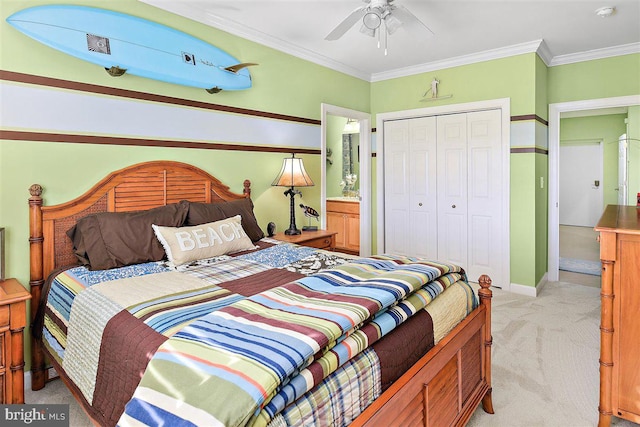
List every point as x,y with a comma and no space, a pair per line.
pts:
292,232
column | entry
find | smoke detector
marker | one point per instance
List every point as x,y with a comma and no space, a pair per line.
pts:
606,11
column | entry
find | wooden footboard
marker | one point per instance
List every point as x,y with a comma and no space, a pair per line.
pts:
446,386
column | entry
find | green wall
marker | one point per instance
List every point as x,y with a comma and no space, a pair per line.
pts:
602,78
512,77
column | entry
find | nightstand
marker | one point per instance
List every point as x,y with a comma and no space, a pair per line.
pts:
321,239
13,320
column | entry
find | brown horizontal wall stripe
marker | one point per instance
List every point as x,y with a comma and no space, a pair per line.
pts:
108,140
529,150
529,117
125,93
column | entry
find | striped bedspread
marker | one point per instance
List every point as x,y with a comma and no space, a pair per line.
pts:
286,335
279,344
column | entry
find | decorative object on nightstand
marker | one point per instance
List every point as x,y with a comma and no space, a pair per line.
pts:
292,175
271,229
309,212
13,320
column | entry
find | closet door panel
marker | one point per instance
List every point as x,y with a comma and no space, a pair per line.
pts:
396,187
423,198
452,188
484,194
410,188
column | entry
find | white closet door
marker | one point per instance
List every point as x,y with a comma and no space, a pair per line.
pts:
484,140
411,226
452,188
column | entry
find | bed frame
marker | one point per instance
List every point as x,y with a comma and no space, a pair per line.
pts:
443,388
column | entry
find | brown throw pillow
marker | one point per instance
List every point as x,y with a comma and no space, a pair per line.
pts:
115,239
202,213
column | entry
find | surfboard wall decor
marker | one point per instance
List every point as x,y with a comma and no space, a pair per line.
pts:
125,44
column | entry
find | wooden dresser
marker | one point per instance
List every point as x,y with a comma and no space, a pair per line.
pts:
13,319
619,229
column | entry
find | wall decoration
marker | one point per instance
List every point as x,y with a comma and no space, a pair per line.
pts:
125,44
434,92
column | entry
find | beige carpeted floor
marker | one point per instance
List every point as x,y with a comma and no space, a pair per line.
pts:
545,361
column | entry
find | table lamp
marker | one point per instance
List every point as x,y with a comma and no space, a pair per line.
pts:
292,175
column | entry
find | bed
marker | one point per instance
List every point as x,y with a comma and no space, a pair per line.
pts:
263,333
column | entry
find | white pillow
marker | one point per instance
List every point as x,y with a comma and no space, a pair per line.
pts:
186,244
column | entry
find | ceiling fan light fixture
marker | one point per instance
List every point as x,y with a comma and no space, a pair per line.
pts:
367,31
372,19
392,23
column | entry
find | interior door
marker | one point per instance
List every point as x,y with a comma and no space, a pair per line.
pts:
580,183
411,223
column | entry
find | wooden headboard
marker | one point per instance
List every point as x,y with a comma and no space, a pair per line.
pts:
138,187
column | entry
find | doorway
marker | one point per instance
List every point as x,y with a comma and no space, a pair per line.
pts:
555,113
360,157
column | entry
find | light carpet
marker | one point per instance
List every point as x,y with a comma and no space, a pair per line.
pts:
545,362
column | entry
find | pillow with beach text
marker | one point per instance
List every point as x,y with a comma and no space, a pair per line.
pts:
187,244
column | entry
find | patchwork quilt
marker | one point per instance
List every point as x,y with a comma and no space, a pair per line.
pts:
279,336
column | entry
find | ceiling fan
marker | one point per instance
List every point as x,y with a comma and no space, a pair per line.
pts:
381,18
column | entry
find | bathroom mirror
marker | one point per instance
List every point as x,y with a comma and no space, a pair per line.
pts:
343,157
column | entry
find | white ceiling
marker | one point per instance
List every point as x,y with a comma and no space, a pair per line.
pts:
465,31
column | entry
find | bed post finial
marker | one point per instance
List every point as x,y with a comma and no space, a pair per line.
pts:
485,295
247,188
36,280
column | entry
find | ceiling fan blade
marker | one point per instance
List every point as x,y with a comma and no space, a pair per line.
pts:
413,25
346,24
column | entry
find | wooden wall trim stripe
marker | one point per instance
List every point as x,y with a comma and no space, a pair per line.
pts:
109,140
126,93
536,150
529,117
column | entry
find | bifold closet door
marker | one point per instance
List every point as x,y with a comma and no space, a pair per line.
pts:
442,190
411,225
469,192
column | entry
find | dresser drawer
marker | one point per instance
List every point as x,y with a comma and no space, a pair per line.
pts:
320,243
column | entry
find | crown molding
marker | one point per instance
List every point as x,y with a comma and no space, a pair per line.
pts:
487,55
537,46
608,52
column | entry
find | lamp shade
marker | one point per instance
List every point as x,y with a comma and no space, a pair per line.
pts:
293,174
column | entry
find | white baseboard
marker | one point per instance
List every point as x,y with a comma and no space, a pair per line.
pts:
529,291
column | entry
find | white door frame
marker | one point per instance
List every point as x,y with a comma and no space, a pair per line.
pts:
364,174
504,104
555,110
